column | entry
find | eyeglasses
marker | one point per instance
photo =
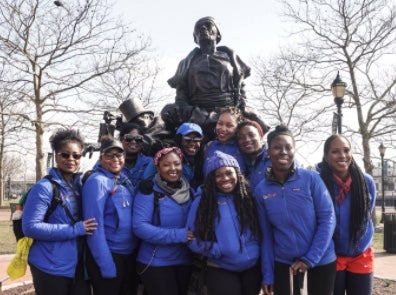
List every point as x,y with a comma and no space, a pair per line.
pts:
109,156
130,138
66,156
189,139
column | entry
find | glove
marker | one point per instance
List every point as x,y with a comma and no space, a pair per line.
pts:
146,186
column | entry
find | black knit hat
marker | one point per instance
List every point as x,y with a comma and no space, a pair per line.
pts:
220,159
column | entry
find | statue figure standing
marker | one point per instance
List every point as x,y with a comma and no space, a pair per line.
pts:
209,78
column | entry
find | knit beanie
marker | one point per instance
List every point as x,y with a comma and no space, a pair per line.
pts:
220,159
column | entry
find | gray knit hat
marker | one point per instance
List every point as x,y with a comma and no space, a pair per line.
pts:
220,159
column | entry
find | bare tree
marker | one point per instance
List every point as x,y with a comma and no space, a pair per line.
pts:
357,38
58,52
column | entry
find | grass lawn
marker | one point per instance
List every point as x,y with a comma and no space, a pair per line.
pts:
7,238
378,241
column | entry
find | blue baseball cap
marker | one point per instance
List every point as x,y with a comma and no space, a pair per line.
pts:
187,128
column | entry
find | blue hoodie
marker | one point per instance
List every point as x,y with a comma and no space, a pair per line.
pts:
55,249
231,250
109,199
297,221
162,244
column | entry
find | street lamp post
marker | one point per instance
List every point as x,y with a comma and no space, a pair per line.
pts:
382,149
338,90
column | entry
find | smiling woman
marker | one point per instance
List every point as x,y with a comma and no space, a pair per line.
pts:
159,218
297,222
225,224
108,197
62,229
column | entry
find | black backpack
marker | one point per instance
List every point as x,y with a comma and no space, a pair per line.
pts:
56,200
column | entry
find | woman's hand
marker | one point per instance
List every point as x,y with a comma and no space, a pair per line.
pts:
267,289
298,267
90,226
190,236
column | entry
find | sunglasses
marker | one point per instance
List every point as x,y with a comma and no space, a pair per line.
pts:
130,138
189,139
109,156
66,156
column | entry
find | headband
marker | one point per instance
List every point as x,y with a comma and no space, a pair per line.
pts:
158,155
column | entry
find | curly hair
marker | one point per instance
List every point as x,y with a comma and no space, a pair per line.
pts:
234,111
360,199
208,212
63,136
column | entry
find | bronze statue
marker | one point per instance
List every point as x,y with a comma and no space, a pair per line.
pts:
210,77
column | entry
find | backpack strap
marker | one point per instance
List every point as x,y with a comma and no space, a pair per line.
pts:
157,197
57,200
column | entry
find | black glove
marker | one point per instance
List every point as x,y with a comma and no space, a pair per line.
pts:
146,186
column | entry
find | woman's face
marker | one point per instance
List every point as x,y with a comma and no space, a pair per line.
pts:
68,158
226,127
191,143
170,167
113,160
249,140
281,152
132,142
226,179
339,157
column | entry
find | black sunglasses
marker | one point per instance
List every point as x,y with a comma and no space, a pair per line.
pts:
130,138
192,139
66,156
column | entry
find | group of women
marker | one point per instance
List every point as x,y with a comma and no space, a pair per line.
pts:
244,207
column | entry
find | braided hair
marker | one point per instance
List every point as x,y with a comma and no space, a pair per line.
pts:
208,208
360,199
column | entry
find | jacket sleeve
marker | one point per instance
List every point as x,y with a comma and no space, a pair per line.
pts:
149,171
208,249
58,228
95,194
325,218
143,227
267,242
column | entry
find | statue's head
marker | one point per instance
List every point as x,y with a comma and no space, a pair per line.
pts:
206,29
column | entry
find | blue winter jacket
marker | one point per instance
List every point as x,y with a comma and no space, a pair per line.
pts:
162,244
297,221
135,173
54,250
231,250
341,233
255,171
230,147
109,199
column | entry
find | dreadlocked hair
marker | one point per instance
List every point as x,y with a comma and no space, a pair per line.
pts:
360,198
208,209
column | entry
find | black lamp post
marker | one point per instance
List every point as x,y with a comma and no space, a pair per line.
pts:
338,89
382,149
